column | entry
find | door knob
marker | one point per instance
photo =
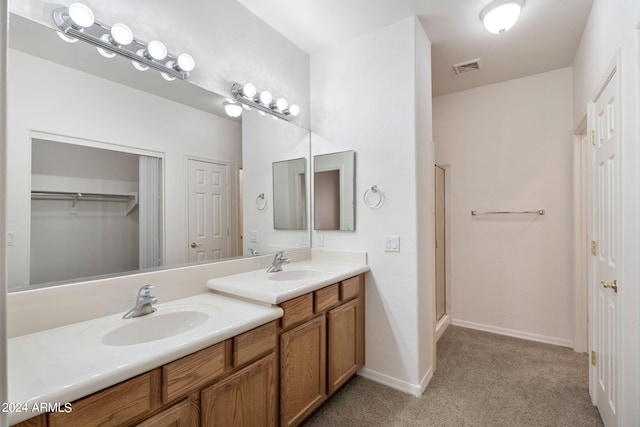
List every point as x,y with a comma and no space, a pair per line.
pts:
613,285
194,245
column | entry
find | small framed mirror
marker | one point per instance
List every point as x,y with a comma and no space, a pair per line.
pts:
334,191
289,195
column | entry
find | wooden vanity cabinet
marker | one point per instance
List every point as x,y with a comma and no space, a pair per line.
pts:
232,383
321,346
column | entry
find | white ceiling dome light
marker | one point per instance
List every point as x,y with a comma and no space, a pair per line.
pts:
500,15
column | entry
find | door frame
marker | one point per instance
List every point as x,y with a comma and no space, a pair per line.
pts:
612,72
581,233
442,325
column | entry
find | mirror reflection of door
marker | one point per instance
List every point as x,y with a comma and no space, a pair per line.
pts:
208,210
326,200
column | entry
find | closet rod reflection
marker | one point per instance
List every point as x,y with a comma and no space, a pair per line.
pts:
61,195
536,212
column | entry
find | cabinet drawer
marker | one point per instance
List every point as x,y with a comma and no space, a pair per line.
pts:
326,298
350,288
296,310
114,406
183,414
192,372
254,343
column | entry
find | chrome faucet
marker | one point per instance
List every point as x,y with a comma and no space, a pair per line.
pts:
144,303
253,252
278,260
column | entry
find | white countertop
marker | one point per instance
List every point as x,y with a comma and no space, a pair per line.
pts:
261,286
70,362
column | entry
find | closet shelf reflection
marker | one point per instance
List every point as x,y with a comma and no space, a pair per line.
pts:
130,198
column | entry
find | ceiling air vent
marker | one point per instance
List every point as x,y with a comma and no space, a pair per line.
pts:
467,67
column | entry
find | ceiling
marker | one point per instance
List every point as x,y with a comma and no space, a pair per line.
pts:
545,38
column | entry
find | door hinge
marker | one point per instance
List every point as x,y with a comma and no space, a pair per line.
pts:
593,358
593,248
593,137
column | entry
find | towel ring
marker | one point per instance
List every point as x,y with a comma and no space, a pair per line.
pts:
373,197
261,202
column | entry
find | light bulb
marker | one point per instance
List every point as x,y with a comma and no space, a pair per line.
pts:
249,90
156,50
121,34
138,65
186,62
282,104
499,16
104,52
232,109
67,38
294,110
265,97
81,15
246,107
167,77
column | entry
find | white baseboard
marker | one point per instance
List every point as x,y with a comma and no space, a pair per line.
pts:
513,333
403,386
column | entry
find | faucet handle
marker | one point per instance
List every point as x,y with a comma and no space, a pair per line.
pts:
145,291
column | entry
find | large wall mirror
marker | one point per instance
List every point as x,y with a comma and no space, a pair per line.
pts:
333,191
129,170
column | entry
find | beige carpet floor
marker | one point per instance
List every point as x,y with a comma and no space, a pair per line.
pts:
482,379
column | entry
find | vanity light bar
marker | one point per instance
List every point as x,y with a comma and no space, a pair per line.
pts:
100,36
247,94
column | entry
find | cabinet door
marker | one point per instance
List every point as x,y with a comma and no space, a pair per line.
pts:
345,345
302,371
245,399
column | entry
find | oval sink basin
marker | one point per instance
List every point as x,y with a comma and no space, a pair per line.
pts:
288,275
155,327
168,321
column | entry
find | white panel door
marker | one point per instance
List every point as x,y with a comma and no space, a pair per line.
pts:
606,233
208,210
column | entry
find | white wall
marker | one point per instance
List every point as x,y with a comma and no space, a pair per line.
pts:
509,148
354,87
613,27
425,195
135,119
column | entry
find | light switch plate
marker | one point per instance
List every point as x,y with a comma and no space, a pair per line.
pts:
392,243
253,236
